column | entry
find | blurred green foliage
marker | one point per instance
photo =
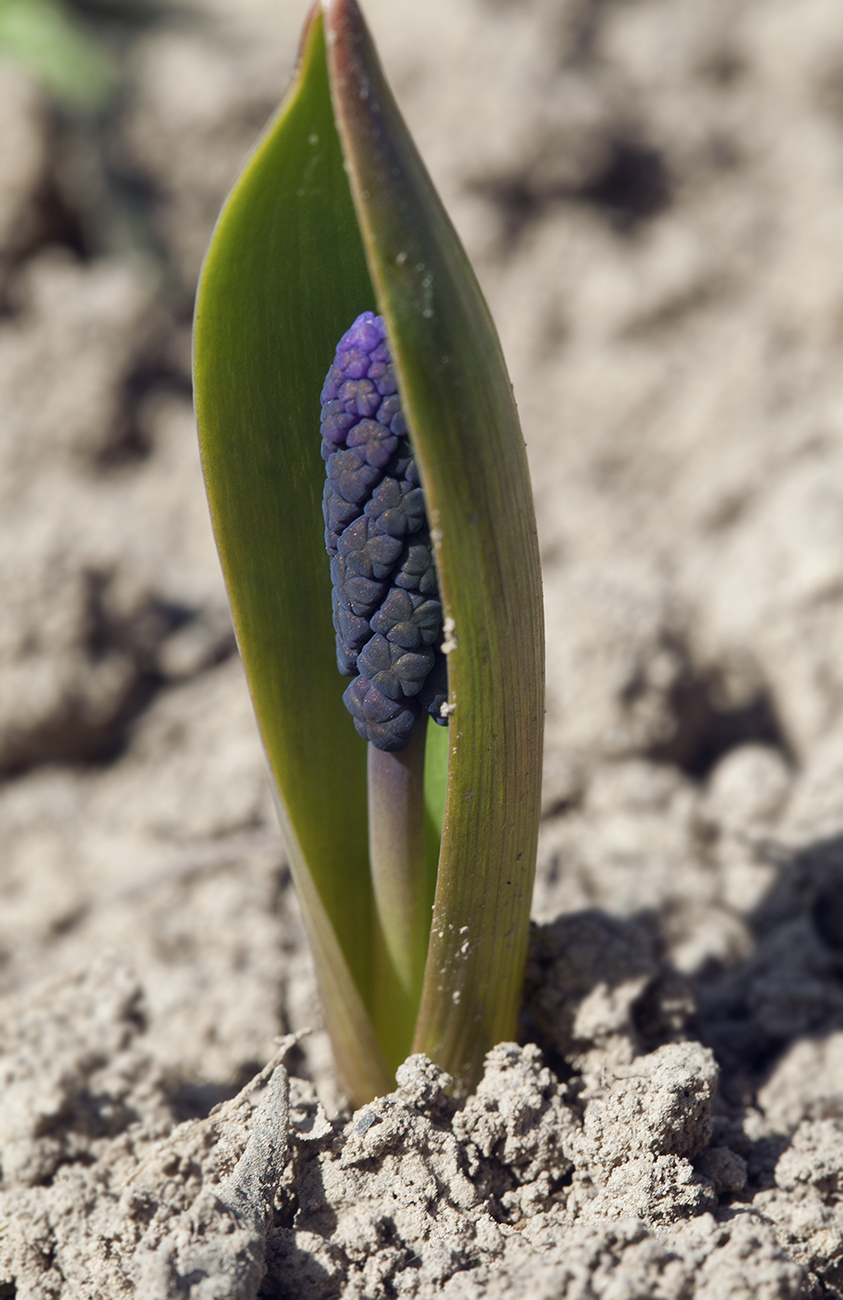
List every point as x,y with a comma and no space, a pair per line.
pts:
73,48
59,50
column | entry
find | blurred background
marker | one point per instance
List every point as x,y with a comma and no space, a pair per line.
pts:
652,194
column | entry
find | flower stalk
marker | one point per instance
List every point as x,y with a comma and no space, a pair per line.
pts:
402,889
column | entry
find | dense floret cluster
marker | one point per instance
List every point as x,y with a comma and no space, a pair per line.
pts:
387,612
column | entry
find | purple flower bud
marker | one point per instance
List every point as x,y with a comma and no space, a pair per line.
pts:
397,507
360,397
408,619
394,670
416,570
390,414
386,609
351,478
385,723
368,551
373,442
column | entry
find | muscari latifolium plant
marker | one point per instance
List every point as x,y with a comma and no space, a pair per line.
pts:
409,795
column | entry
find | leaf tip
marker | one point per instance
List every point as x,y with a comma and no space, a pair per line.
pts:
342,17
314,13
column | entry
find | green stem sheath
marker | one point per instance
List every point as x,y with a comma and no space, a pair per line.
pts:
400,882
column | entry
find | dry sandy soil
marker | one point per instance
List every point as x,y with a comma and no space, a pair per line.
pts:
652,193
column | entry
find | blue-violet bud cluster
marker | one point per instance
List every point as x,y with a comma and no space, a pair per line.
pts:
387,612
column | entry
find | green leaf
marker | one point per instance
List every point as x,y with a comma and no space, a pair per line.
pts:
461,413
284,278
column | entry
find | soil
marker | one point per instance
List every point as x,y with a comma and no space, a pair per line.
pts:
652,193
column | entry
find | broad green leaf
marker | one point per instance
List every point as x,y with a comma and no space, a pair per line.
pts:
459,406
284,278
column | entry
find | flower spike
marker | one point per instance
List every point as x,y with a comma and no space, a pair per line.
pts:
387,611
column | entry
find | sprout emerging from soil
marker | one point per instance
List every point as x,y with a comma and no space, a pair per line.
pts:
413,855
